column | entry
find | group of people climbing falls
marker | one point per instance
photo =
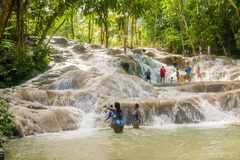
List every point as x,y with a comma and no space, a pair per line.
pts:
180,78
116,116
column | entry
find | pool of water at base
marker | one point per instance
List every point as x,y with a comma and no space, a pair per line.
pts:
146,143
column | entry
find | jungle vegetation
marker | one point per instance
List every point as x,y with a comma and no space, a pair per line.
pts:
26,27
178,25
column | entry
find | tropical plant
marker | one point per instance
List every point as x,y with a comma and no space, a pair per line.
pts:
6,123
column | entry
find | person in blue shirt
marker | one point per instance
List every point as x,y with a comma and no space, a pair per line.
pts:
188,70
117,116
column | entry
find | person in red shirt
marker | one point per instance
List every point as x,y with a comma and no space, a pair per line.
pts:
162,74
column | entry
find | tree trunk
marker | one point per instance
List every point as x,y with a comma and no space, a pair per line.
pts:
102,35
37,25
57,30
180,12
20,27
131,42
89,30
106,31
72,26
5,10
155,31
92,27
124,29
197,6
51,21
221,42
236,9
136,33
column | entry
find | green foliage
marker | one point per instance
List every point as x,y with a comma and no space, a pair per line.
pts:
7,30
24,67
237,37
15,69
6,123
41,57
6,46
176,24
8,60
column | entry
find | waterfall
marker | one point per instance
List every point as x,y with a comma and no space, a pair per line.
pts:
83,78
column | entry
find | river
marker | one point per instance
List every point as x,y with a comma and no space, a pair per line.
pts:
199,142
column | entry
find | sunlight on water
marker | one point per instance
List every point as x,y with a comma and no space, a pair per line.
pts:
165,143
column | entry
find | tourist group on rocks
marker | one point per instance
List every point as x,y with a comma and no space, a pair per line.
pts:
179,78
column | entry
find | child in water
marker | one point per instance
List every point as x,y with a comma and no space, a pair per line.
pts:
181,79
199,74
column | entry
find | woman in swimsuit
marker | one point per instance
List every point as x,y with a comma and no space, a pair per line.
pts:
117,116
136,116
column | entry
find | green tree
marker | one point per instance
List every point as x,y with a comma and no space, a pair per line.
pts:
5,10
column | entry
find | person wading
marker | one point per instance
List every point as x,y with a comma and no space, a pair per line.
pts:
148,75
136,116
117,115
162,74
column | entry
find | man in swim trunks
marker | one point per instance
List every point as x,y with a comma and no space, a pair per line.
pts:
148,75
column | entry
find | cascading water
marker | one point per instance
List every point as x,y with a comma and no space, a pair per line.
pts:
83,78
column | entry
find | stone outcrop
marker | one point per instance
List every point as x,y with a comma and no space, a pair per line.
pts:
53,119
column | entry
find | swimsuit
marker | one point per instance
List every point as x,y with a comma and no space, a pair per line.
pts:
134,117
148,77
117,121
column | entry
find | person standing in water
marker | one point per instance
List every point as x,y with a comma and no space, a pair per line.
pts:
136,116
209,50
200,50
188,70
177,75
199,76
148,75
117,115
110,116
181,79
162,74
162,49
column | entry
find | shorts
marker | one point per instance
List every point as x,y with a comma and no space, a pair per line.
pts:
148,77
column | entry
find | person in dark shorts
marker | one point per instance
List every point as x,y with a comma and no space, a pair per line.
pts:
177,75
148,76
